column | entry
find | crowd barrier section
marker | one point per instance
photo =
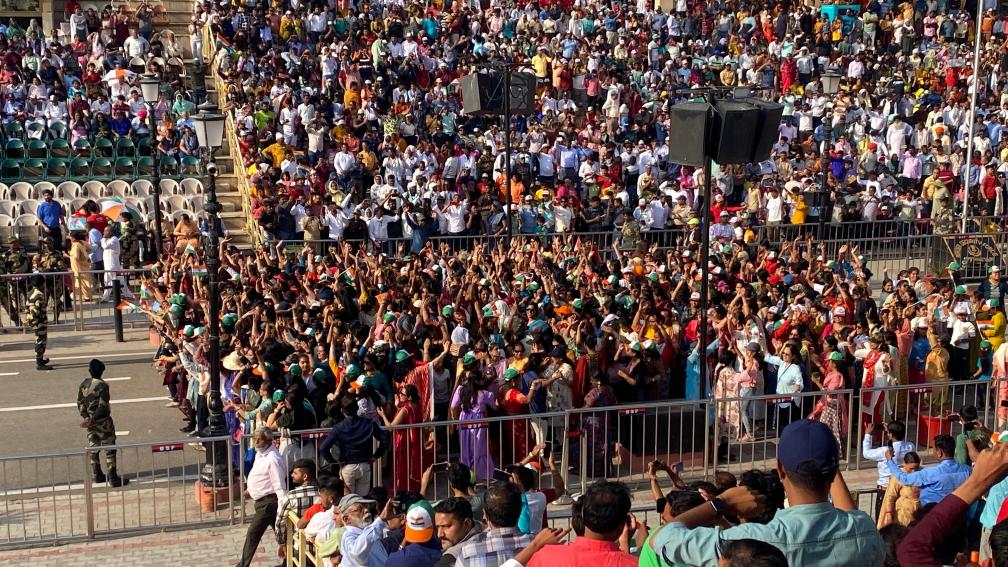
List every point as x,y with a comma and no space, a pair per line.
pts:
76,301
50,498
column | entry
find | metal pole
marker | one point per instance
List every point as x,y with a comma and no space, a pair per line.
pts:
212,208
117,318
704,272
824,188
972,115
507,150
158,235
215,471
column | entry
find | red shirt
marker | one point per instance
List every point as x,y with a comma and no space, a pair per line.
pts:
311,511
583,551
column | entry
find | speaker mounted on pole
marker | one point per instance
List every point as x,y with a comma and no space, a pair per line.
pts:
689,125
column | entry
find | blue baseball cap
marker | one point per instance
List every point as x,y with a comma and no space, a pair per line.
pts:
807,441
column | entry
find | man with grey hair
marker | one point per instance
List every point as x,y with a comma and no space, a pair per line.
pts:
266,485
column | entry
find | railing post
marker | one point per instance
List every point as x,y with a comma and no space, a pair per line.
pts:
230,479
583,440
116,312
88,496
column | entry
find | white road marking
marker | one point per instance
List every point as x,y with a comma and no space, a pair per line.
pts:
78,357
121,433
80,485
9,373
120,379
73,405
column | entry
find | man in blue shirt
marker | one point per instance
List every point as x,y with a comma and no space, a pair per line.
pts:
812,531
938,481
354,437
50,218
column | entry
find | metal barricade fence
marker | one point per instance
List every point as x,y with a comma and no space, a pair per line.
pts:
746,430
923,408
51,498
74,300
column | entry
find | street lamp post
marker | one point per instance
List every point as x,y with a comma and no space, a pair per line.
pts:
150,87
209,124
830,86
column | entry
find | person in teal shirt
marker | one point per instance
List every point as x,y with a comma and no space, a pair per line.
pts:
808,461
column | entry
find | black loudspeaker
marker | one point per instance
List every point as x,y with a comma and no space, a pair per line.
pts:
687,136
523,91
483,94
732,132
767,128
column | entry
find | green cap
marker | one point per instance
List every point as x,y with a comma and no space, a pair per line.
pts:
487,312
188,330
447,311
578,303
953,266
353,371
319,373
468,358
401,355
985,344
994,302
533,286
388,317
294,369
726,249
960,290
278,396
831,265
836,355
635,346
653,276
229,319
510,374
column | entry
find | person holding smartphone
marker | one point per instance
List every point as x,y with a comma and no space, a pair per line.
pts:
896,444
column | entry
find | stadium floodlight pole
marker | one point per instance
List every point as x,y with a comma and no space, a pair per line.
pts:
150,86
830,86
972,117
210,124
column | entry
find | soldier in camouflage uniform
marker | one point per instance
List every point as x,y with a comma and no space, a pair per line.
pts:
9,299
17,262
93,405
128,241
52,260
38,320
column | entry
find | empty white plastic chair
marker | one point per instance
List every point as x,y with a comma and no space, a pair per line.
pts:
93,189
21,191
68,190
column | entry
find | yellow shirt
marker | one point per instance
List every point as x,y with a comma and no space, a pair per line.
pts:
800,210
541,65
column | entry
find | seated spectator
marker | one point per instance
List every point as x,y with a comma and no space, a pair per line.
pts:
501,540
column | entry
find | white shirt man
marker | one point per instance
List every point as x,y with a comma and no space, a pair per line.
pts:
454,213
878,454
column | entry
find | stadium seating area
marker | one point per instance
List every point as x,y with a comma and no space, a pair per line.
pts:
53,158
19,200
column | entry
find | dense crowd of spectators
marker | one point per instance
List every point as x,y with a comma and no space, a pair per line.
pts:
350,128
344,112
84,85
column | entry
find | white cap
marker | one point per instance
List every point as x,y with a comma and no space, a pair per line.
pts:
840,311
695,295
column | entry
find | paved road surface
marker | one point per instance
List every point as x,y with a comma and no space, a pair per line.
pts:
38,410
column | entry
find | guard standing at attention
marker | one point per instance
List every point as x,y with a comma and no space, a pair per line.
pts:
39,320
93,405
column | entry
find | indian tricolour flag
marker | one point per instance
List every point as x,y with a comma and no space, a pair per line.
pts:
145,292
200,271
127,306
189,249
